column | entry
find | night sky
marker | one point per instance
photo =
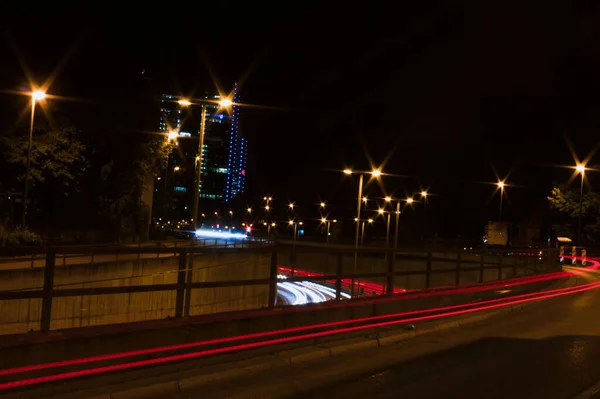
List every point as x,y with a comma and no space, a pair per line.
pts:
439,92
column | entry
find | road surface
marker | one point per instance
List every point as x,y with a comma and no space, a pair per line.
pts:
550,350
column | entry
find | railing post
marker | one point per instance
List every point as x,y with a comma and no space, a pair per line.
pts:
187,304
515,263
180,285
273,280
389,289
428,272
338,276
481,266
458,259
46,316
500,259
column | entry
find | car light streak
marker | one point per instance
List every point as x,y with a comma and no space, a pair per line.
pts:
482,304
253,345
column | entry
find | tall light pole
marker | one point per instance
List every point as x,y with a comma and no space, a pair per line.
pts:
225,103
374,173
295,225
397,221
37,95
501,187
581,169
387,230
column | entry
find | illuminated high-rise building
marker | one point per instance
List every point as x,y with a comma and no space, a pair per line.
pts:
224,153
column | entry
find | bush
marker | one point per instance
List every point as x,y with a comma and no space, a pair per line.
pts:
22,236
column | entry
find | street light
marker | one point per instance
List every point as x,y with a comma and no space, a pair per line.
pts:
387,230
187,103
36,95
328,224
230,219
501,185
410,200
291,205
322,205
580,168
249,210
375,173
295,224
176,168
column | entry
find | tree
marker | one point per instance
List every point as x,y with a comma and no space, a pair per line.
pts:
569,202
57,162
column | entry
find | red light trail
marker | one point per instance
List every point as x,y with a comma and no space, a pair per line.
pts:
474,307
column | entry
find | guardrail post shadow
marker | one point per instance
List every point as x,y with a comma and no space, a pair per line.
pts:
179,298
273,280
46,316
481,266
428,272
338,276
458,259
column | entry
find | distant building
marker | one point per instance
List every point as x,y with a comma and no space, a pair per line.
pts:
224,156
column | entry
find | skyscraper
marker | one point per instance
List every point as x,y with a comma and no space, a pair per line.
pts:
224,156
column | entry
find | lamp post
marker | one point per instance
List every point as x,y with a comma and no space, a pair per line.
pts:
225,103
327,223
230,220
362,236
295,225
36,96
581,170
501,185
374,173
387,230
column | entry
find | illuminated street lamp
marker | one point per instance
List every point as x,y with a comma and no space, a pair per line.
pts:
387,230
36,95
225,103
176,168
501,185
322,205
327,223
375,173
249,210
580,168
295,224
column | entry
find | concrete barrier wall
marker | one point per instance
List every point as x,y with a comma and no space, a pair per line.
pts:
19,316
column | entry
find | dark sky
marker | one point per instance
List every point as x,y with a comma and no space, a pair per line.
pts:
439,91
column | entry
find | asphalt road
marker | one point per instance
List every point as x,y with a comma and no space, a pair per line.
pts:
549,351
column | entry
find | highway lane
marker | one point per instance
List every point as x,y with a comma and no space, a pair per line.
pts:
373,359
551,350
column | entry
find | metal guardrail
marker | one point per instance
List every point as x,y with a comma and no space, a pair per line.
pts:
185,285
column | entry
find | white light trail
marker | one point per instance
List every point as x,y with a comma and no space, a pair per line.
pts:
220,234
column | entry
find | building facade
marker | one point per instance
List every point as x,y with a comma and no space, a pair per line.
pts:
223,157
224,153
